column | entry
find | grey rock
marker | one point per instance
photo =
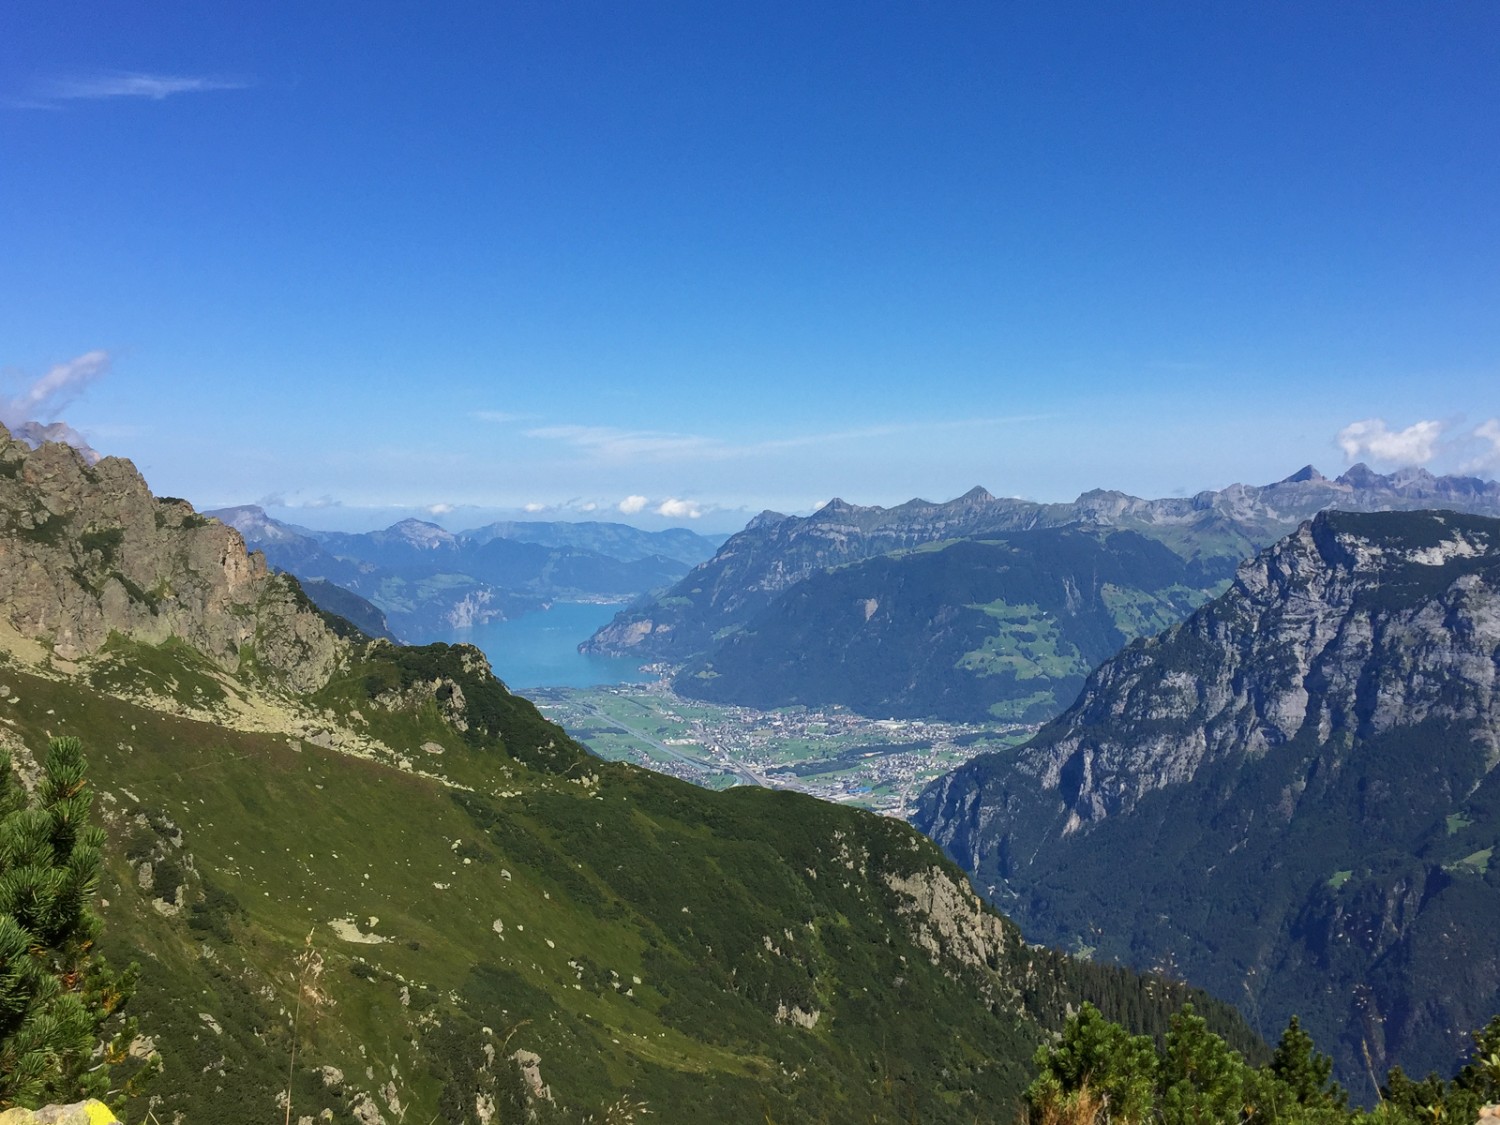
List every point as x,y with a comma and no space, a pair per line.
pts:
87,552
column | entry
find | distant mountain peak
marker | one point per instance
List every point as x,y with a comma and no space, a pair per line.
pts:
1306,473
768,518
251,521
836,506
976,495
1361,476
1412,474
420,533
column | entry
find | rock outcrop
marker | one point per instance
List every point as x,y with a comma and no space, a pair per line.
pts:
88,553
91,1112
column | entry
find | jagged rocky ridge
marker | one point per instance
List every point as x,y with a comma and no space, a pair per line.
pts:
1212,530
1290,796
448,906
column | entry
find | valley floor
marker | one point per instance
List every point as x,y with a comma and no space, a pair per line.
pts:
878,764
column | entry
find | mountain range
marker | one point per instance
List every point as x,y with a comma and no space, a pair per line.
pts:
426,581
849,606
365,882
1289,798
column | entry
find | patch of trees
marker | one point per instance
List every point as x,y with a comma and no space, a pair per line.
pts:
1097,1073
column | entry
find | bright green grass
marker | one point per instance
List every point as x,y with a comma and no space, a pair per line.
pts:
1026,643
1476,863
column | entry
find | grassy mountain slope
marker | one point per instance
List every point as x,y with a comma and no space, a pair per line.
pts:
1004,627
641,937
1296,786
373,878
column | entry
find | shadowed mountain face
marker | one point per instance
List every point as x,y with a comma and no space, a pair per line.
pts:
1004,627
1290,796
427,581
369,879
733,622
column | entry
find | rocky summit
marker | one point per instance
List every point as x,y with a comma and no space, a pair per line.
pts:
1290,797
88,554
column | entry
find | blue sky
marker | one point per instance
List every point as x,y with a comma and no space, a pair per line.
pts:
701,259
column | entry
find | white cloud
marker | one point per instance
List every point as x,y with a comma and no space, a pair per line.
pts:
533,508
438,509
125,84
1487,460
1415,445
55,390
675,509
633,504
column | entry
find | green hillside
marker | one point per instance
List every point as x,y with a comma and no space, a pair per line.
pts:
1001,628
371,879
752,955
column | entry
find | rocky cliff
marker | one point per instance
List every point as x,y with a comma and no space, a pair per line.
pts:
88,554
1290,796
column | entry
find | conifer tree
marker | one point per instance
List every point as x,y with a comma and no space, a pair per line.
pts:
55,993
1306,1072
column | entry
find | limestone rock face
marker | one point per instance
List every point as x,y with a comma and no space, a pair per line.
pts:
1330,630
87,551
1290,797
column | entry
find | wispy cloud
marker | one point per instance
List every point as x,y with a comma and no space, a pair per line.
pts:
611,444
1487,459
608,443
49,395
282,500
132,84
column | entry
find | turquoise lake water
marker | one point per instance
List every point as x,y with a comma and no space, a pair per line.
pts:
541,649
